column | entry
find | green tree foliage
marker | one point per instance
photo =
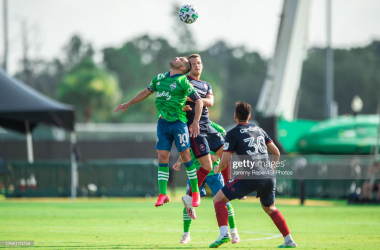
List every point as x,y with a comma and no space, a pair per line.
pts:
356,72
93,91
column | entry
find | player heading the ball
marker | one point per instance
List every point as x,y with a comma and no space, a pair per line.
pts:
172,90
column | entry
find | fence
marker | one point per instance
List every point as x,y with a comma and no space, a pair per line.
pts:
138,177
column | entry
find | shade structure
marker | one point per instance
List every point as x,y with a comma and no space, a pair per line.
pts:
19,103
22,108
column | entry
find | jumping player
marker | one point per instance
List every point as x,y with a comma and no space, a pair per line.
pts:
248,140
215,183
172,89
209,138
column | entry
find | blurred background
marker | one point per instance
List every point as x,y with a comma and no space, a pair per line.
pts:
319,61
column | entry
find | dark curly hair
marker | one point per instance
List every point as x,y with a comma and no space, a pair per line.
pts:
242,111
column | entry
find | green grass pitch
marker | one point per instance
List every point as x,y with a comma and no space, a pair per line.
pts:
137,224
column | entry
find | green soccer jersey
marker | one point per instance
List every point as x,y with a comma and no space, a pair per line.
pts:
172,92
222,131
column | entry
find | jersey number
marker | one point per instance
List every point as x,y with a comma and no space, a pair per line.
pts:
259,146
183,139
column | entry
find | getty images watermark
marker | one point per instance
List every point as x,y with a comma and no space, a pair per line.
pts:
321,167
17,243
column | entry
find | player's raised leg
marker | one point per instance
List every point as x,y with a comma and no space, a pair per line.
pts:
201,151
163,176
203,171
181,138
280,223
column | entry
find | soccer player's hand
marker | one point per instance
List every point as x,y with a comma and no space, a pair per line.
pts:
214,158
194,129
176,166
123,106
187,108
216,169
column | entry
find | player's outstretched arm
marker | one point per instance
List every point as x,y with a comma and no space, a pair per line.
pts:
275,152
138,98
194,127
226,158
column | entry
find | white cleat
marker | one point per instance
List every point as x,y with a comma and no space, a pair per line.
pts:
289,244
188,203
235,238
185,239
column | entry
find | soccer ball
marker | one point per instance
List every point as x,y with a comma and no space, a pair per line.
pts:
188,14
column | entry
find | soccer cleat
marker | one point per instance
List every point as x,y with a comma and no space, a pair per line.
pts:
162,198
185,239
190,210
221,241
196,199
243,198
235,238
289,244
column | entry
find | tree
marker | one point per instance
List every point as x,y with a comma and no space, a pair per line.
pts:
90,89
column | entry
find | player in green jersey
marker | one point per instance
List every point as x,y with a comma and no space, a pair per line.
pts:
172,89
215,182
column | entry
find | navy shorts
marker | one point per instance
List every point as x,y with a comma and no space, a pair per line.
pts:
208,139
238,188
214,182
167,132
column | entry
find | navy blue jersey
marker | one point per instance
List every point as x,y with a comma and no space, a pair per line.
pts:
247,139
203,89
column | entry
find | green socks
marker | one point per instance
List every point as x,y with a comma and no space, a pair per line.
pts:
192,175
163,177
231,219
231,216
186,221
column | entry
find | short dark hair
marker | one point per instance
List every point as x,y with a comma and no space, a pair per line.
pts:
188,66
242,110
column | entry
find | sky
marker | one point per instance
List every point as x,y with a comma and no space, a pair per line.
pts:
249,23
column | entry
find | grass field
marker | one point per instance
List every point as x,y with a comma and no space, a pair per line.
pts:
136,224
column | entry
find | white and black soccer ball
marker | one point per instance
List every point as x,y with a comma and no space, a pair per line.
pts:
188,14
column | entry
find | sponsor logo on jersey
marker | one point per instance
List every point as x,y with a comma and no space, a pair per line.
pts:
173,86
189,90
160,76
226,145
249,129
202,147
164,94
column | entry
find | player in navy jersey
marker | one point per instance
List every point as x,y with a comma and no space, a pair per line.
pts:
248,141
209,138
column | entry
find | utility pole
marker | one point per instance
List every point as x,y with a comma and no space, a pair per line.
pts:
329,94
5,15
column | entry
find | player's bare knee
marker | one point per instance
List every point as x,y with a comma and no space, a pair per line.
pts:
205,162
163,157
220,197
185,155
269,209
